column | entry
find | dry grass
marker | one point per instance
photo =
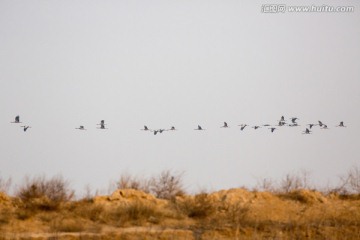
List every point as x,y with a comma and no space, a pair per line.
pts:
44,194
200,206
135,214
66,225
45,207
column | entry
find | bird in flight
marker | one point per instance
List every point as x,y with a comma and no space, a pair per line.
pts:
172,128
25,128
17,119
311,125
293,119
243,126
341,124
225,125
256,127
199,128
324,126
320,123
81,128
281,123
307,131
157,131
145,128
272,129
102,124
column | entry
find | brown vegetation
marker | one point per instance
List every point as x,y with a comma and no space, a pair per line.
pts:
44,209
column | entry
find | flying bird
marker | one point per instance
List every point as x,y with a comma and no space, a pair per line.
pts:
324,126
272,129
17,119
320,123
81,128
157,131
102,124
172,128
199,128
341,124
243,126
307,131
293,119
256,127
145,128
25,128
280,124
225,125
311,125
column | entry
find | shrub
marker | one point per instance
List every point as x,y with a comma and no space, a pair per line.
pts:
23,214
127,181
89,210
167,185
5,216
350,183
136,212
265,184
43,194
199,206
235,214
295,181
5,185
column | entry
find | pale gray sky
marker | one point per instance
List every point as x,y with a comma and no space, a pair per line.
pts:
182,63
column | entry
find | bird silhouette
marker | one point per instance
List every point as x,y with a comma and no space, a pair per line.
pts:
199,128
225,125
25,128
243,126
320,123
172,128
281,123
272,129
324,126
256,127
341,124
81,128
293,119
307,131
102,124
17,119
311,125
145,128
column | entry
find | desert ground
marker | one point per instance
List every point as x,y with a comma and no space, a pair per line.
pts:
44,209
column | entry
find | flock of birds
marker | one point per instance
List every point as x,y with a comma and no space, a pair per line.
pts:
17,120
281,123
